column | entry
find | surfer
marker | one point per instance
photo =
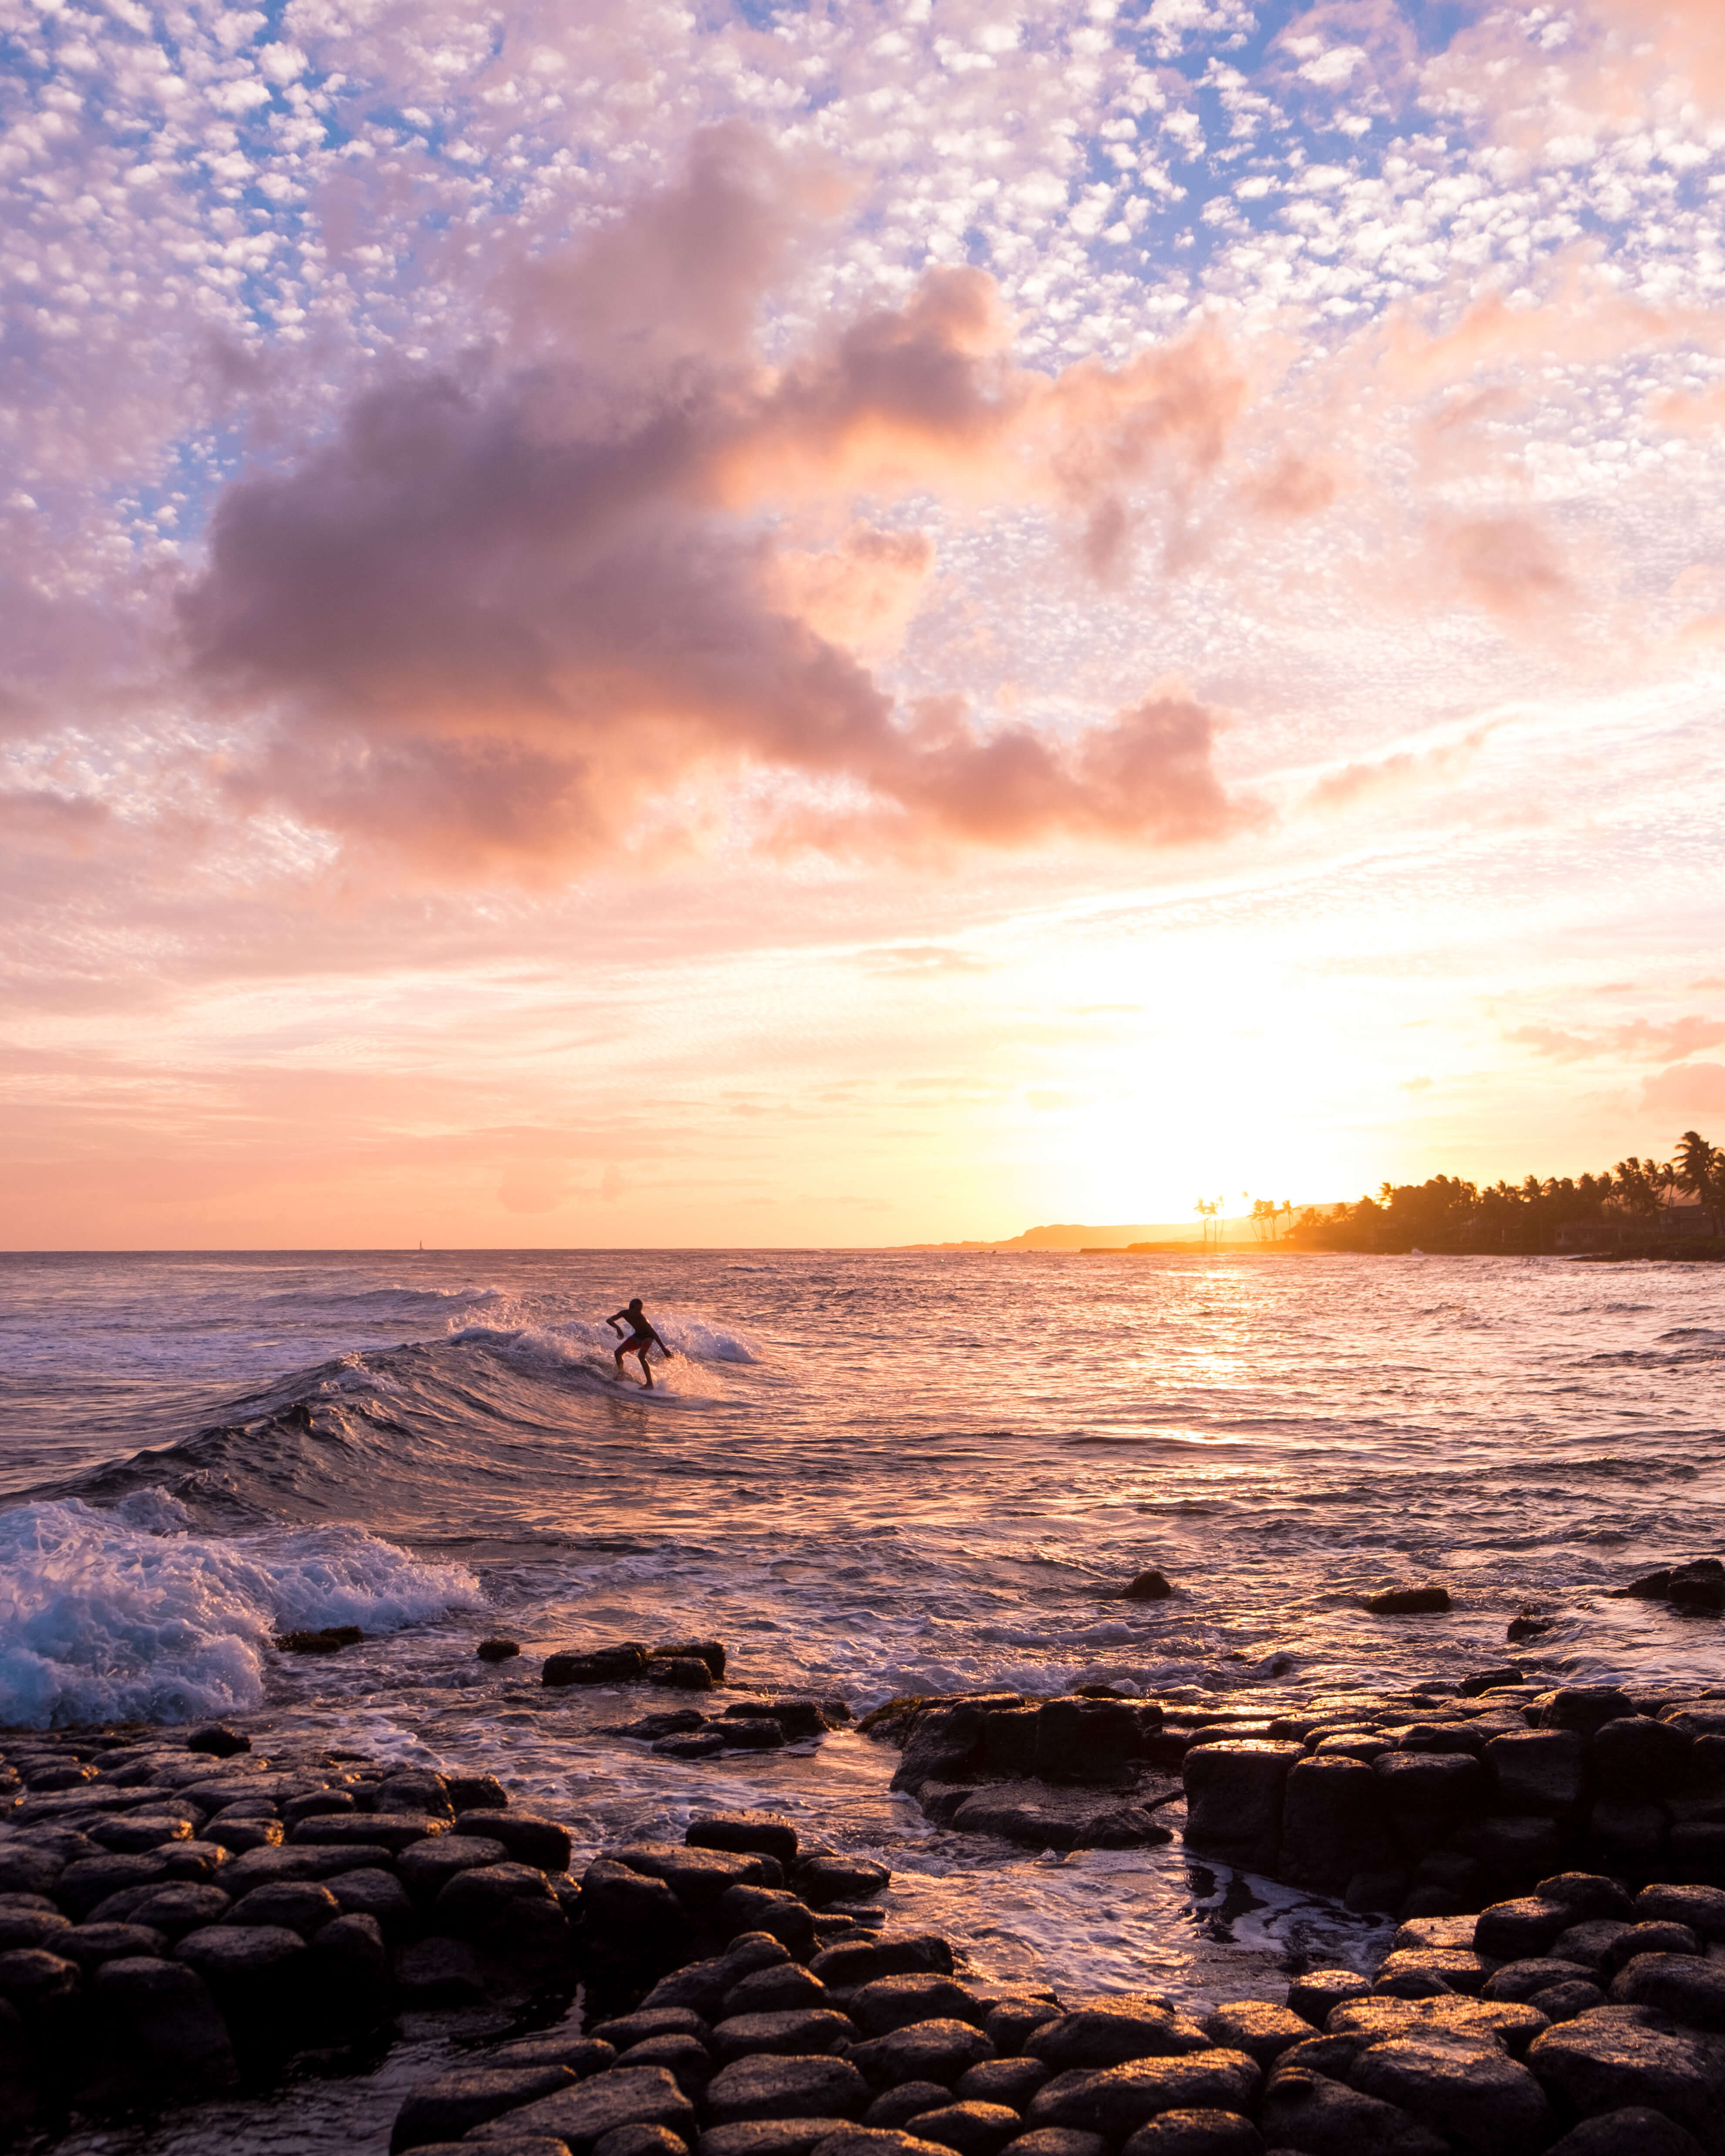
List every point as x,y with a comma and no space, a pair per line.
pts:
642,1337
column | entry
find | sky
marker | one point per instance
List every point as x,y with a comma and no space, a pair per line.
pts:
629,625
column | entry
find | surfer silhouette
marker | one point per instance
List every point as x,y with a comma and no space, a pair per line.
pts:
642,1337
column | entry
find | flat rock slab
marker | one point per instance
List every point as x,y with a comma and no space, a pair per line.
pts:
1381,2019
769,2136
1611,2059
1116,2102
445,2108
1461,2085
625,2096
785,2088
1309,2112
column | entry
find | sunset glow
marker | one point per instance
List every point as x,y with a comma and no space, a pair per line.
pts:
852,625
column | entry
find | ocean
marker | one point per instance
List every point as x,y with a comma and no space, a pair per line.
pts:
869,1474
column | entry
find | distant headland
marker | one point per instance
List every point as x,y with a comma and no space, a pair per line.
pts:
1639,1209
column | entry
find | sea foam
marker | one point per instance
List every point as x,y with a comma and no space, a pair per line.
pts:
128,1613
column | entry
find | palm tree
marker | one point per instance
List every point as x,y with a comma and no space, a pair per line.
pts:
1700,1170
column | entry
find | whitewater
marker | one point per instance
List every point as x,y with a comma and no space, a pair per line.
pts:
869,1474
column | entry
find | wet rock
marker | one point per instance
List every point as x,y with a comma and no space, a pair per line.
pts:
1235,1792
43,1927
970,2128
296,1906
710,1652
25,1870
896,2002
932,2050
700,1986
771,2137
219,1740
1310,2112
171,1907
351,1973
1462,2086
1453,1969
155,2029
497,1651
875,2141
445,2108
414,1793
91,1945
1088,1740
650,1728
1315,1995
633,2096
1118,2100
246,1961
1510,1931
374,1893
476,1792
1110,2035
529,1839
87,1882
426,1867
1152,1586
625,2030
633,2141
821,1880
1002,2080
1252,2025
680,1673
317,1804
508,1909
775,1990
1483,1680
698,1878
751,1733
439,1972
603,1665
1684,1985
1538,1770
240,1835
786,2088
1060,2141
900,2105
702,1746
743,1909
1698,1586
1409,1601
329,1641
856,1962
1009,2024
745,1834
1635,2132
1589,1894
1583,1708
33,1978
393,1831
1380,2019
582,2054
1333,1823
1608,2060
1516,1981
807,2030
1562,2002
1702,1908
1636,1758
134,1833
686,2059
1196,2134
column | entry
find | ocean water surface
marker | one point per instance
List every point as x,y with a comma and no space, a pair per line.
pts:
869,1474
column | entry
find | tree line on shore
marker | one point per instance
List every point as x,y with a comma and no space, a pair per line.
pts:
1633,1207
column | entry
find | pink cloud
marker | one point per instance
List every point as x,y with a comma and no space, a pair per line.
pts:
496,618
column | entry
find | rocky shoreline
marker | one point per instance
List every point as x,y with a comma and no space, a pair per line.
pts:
180,1916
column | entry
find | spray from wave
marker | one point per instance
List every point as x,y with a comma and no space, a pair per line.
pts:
130,1613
